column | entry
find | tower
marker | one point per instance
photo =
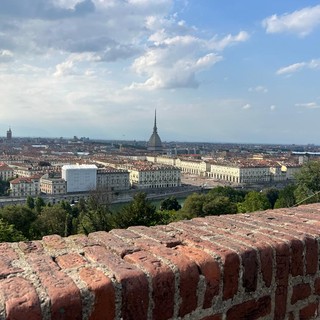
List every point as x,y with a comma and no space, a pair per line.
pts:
9,134
155,143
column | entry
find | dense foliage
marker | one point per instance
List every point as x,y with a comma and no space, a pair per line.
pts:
36,219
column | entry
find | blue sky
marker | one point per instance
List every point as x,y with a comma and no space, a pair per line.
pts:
216,71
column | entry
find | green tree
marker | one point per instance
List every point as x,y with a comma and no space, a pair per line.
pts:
39,204
232,194
254,201
219,205
308,183
170,203
30,202
51,220
193,205
139,212
286,197
20,216
272,195
9,234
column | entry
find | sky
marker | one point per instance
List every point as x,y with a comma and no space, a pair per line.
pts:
215,71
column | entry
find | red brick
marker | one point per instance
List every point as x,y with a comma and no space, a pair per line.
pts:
54,242
188,274
104,294
21,299
31,246
112,242
309,312
229,258
282,275
153,233
209,267
163,283
297,262
63,293
266,258
134,284
300,291
8,255
214,317
317,286
311,255
125,233
253,309
70,260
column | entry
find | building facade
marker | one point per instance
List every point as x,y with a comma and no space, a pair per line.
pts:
155,176
113,179
80,177
53,186
25,186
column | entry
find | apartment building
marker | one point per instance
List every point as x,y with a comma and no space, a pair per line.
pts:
25,186
154,176
52,185
113,179
6,173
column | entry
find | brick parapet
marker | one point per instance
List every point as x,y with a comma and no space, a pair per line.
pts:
262,265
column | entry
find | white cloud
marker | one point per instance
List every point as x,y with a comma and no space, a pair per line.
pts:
313,64
5,55
228,40
246,106
174,61
301,22
272,107
259,89
308,105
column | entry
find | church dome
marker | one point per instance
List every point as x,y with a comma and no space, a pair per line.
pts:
155,143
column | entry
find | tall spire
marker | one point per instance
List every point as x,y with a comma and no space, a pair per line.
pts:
155,121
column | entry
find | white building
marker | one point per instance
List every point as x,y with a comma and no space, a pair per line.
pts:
155,176
52,185
80,177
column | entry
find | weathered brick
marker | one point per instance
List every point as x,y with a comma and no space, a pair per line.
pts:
104,293
134,284
300,291
311,255
253,309
112,242
21,299
161,237
209,267
70,260
63,293
229,258
163,283
8,255
297,263
317,286
54,242
309,312
266,258
31,246
188,274
214,317
282,275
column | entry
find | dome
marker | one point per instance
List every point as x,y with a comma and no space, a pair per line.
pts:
155,143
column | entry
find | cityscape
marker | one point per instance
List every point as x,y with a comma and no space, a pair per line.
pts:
159,160
62,168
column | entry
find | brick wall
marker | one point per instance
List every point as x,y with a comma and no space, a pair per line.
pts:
262,265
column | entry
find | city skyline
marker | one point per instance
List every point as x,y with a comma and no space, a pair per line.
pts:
216,71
